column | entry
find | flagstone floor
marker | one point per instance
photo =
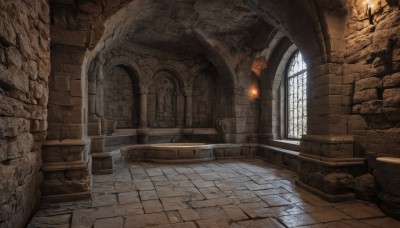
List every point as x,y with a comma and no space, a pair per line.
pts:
227,193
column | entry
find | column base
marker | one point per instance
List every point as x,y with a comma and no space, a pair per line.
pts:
328,168
67,176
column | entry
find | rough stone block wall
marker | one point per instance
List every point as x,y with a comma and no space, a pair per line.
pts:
372,73
203,94
24,71
119,99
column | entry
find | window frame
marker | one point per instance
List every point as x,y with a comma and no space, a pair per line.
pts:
286,80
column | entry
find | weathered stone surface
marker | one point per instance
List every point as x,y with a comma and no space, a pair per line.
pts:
391,81
365,95
11,78
365,187
391,98
368,83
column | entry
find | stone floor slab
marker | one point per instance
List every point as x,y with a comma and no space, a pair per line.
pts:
224,193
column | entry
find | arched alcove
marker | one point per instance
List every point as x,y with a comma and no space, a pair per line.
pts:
165,101
121,97
204,100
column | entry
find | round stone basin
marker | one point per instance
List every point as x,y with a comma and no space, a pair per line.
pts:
387,175
179,152
178,145
388,164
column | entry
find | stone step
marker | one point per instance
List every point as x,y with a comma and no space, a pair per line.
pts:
63,166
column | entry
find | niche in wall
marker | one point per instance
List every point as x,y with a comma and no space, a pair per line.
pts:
120,98
203,100
165,101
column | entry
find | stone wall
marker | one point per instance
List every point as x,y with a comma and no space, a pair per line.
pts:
203,93
119,98
24,71
372,72
169,81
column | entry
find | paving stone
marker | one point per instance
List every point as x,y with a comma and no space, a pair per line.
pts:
129,209
274,200
154,172
360,210
298,220
184,225
128,197
221,203
175,203
104,212
104,200
174,217
209,223
117,222
234,212
189,214
200,183
146,220
383,222
48,221
211,202
148,195
151,206
330,215
83,218
211,193
258,223
211,212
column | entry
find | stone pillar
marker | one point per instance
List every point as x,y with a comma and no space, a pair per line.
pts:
328,163
143,107
188,108
66,160
143,131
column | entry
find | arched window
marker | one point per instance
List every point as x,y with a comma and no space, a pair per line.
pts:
296,97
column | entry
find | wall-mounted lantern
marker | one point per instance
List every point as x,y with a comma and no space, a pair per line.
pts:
369,11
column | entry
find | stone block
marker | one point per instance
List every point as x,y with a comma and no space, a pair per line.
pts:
11,78
391,81
75,116
61,98
232,152
368,83
11,127
62,82
76,88
75,131
391,98
219,152
365,95
202,153
68,37
371,107
337,150
12,107
185,154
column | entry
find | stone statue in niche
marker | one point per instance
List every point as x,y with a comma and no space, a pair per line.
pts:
166,101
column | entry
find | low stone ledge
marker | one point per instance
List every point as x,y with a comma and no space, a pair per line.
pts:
62,166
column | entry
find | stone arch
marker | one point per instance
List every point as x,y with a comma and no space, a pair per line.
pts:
272,91
121,96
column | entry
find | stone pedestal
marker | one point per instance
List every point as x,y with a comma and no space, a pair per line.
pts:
66,169
327,166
